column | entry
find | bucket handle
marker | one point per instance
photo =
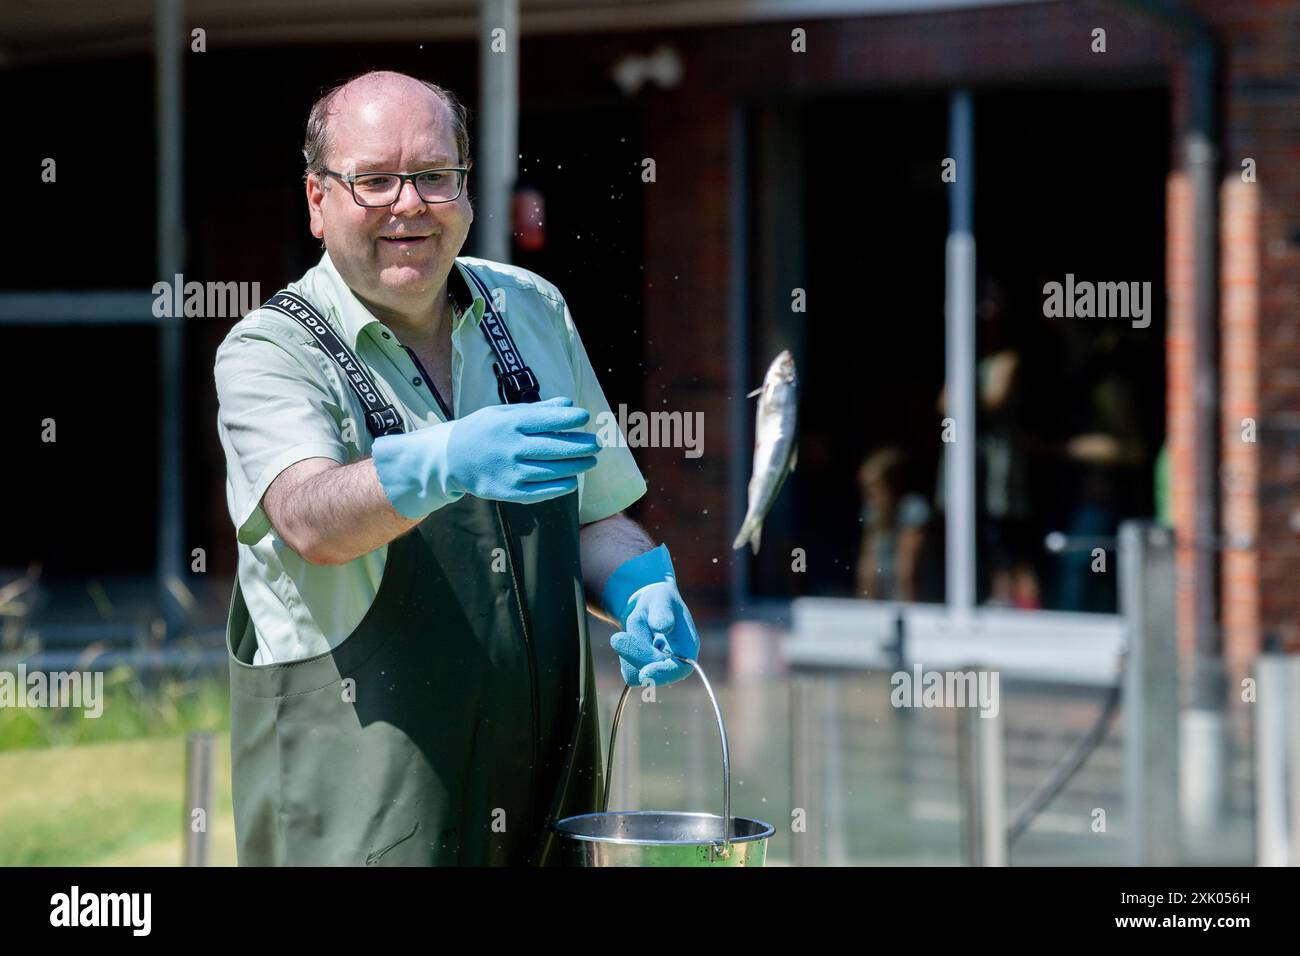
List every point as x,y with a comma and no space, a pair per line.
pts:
722,732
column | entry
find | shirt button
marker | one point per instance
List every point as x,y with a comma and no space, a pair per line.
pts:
385,335
416,381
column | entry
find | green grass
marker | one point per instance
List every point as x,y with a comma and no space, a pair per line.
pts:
109,803
109,790
132,708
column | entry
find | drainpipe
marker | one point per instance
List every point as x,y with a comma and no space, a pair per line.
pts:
1202,724
498,152
169,68
959,336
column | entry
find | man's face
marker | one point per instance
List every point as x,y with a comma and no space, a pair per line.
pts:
392,128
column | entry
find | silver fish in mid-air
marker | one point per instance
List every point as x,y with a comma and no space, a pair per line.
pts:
775,448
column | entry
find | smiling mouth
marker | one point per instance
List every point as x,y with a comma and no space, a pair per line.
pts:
404,241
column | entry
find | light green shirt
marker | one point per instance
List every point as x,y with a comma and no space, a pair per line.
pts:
282,400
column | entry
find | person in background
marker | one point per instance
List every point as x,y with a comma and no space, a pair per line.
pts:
1003,444
893,529
1003,458
1102,464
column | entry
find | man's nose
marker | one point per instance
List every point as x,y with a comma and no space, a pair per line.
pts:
408,197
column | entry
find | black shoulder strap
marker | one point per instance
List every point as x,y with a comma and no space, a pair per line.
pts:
516,382
381,416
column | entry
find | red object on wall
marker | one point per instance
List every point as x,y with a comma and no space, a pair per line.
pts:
529,219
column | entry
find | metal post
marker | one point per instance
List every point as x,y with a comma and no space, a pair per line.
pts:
1151,737
836,830
1293,754
1202,159
1277,746
959,312
801,789
1204,723
169,26
739,412
198,797
498,153
981,764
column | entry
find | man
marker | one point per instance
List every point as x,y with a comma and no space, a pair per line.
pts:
423,512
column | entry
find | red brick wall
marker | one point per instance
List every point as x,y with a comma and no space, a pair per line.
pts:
1260,378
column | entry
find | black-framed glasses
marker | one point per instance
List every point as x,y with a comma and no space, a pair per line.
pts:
443,184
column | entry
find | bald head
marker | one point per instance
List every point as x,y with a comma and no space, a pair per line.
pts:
367,103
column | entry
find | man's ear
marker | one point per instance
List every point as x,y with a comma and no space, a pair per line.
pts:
315,196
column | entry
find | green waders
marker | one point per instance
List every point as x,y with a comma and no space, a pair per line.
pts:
450,727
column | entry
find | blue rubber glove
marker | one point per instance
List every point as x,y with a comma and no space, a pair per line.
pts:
653,619
502,453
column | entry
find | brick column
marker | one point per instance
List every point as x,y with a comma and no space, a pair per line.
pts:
1180,423
1239,406
1260,319
685,302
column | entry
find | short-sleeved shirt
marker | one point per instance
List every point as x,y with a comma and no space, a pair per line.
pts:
283,400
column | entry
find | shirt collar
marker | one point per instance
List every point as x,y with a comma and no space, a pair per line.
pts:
469,304
353,315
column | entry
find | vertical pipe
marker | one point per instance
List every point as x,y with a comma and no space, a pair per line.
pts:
959,354
1272,837
498,153
981,763
738,410
803,851
1202,160
198,796
169,25
1204,725
1292,751
833,773
1151,718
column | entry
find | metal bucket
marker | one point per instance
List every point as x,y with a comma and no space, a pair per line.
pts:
664,837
